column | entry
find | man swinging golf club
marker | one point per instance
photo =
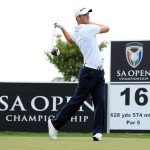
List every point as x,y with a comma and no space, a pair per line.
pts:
91,74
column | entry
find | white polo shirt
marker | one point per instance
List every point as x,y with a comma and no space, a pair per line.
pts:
85,37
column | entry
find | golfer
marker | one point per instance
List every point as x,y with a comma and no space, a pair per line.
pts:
91,74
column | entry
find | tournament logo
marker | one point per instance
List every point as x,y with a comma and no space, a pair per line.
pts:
134,53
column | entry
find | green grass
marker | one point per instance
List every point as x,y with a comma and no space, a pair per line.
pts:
73,141
76,134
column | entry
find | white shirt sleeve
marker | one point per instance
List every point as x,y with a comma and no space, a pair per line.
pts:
95,29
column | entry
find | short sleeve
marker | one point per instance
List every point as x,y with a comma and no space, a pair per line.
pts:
95,29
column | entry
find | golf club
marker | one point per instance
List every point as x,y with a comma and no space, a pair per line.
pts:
54,50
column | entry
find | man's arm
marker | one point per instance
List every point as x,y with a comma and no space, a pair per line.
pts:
103,28
65,32
67,35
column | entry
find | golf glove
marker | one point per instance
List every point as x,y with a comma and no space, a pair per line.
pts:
57,25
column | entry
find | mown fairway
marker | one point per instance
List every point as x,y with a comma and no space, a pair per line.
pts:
74,142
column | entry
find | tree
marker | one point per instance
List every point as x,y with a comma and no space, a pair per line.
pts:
70,59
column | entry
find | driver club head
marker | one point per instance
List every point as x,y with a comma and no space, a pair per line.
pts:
55,51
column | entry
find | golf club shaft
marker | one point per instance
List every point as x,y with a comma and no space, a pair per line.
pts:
53,36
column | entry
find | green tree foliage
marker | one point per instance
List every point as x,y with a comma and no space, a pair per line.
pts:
70,59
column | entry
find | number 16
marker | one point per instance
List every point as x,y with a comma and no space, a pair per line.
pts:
126,92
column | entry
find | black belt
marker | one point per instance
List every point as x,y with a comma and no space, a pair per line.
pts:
93,67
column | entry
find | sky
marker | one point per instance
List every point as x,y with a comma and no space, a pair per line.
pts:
26,29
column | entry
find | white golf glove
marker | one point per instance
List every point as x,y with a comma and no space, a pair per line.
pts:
57,25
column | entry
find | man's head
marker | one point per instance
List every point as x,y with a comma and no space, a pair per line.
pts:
82,15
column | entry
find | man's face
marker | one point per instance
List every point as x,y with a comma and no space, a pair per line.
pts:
84,19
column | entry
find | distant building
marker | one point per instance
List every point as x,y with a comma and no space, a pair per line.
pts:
61,80
58,79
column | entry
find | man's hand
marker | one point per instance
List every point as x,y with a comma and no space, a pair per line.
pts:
57,25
